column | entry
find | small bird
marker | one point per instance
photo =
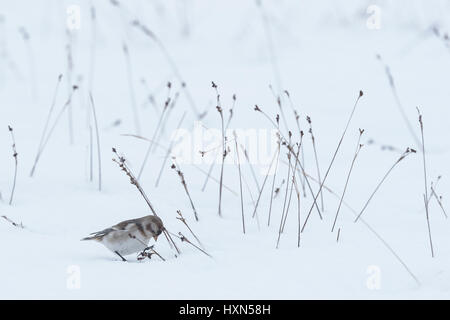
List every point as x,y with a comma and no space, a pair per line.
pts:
129,236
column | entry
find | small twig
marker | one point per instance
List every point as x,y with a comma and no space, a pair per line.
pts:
285,213
403,156
334,157
270,44
224,147
98,143
433,193
398,103
136,23
183,220
183,182
169,150
15,164
278,189
250,165
297,117
258,109
44,132
47,137
171,107
264,182
287,187
15,224
131,88
69,73
149,149
272,195
240,182
425,182
144,253
313,139
215,179
293,178
298,212
358,149
184,239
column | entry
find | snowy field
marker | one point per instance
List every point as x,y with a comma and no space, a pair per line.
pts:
322,52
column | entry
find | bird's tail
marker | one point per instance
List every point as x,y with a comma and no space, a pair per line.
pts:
98,235
94,237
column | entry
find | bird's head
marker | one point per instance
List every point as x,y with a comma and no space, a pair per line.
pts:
155,226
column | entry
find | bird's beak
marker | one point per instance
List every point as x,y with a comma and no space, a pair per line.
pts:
156,238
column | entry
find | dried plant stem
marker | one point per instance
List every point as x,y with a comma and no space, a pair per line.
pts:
15,164
224,154
291,151
224,138
398,102
298,213
149,149
52,128
280,107
91,155
358,149
264,182
171,62
169,150
224,148
121,161
285,213
183,182
93,42
313,139
69,75
211,167
403,156
273,184
297,117
433,193
426,183
252,170
131,89
287,189
167,115
270,44
15,224
240,181
184,239
183,220
293,179
215,179
47,122
333,158
144,252
99,160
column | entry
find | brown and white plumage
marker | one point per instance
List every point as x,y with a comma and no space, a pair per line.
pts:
129,236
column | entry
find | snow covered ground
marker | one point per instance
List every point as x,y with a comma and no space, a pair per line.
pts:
322,52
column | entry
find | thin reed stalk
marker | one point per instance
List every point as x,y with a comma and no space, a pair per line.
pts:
333,158
403,156
358,149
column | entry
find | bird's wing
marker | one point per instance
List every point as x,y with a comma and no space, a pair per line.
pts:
99,234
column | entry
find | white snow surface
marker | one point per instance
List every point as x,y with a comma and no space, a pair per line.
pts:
323,53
